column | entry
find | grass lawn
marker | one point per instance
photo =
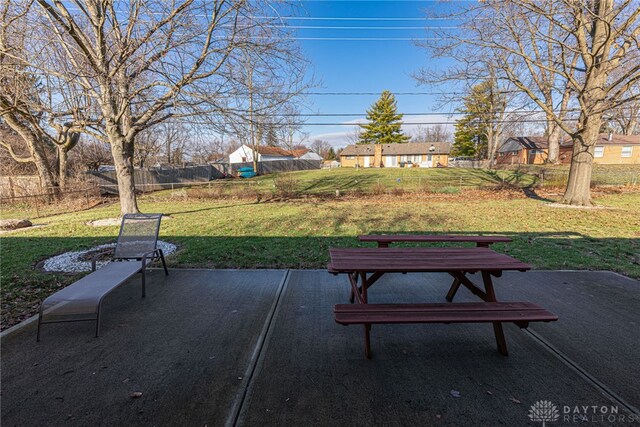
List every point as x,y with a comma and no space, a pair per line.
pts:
240,233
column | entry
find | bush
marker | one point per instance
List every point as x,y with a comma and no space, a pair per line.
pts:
397,191
285,186
216,191
246,192
379,189
446,190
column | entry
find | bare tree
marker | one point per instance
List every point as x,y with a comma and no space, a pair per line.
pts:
434,133
144,62
90,155
472,72
273,82
48,110
592,43
320,147
625,119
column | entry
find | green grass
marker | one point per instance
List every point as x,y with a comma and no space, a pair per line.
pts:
297,234
406,179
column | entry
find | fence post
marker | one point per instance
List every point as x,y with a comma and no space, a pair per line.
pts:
12,192
460,185
37,210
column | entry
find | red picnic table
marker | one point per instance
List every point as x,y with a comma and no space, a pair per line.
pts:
364,266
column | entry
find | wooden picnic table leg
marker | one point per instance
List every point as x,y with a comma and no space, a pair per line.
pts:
453,289
497,326
363,287
355,290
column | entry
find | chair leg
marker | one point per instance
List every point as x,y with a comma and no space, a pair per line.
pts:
98,321
144,281
39,323
164,264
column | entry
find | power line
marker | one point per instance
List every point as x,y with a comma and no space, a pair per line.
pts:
431,113
358,39
328,27
368,39
345,18
405,123
368,93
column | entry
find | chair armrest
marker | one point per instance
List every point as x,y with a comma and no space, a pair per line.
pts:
146,255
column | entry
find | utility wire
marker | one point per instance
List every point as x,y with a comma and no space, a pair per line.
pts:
328,27
344,18
241,122
409,114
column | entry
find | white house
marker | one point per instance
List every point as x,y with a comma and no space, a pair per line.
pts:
266,154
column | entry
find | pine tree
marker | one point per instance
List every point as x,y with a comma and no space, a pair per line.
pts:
480,110
385,123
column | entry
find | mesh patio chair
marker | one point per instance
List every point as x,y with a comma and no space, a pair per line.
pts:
135,249
138,239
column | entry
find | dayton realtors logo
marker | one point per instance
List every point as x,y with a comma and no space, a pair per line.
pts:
545,411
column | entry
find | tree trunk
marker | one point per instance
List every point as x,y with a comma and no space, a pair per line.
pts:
578,192
554,142
630,129
63,156
38,156
122,152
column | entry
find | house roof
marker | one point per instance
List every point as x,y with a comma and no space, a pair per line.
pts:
603,139
274,151
542,142
299,152
398,149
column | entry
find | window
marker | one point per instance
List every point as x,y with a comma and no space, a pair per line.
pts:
391,161
626,151
537,151
351,157
599,152
417,158
404,158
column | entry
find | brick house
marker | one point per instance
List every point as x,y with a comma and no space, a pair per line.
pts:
411,154
610,149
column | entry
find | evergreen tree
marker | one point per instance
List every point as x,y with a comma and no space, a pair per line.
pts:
331,154
385,123
480,110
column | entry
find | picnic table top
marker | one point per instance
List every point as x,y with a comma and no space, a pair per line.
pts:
421,259
432,238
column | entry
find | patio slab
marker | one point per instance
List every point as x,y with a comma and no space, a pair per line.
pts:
255,348
313,371
186,347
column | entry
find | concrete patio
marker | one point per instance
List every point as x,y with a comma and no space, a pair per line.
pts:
253,348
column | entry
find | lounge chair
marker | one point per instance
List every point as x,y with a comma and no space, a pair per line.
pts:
82,300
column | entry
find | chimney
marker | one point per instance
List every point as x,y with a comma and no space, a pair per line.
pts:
377,155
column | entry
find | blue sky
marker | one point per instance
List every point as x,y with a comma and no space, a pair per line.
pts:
367,65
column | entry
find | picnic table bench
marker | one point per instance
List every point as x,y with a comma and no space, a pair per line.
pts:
384,240
364,266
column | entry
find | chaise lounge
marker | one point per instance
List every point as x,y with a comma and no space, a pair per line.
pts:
135,249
